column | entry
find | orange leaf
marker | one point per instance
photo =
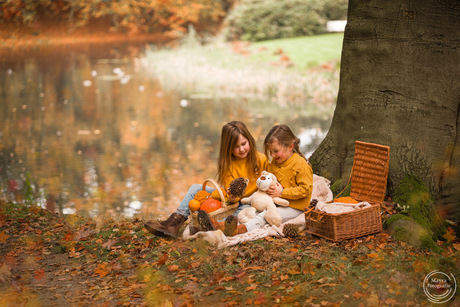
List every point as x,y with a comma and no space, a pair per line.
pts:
449,235
3,236
195,265
101,270
293,271
68,237
39,274
357,295
363,284
173,268
418,266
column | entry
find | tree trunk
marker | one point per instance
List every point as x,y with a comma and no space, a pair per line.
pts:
400,87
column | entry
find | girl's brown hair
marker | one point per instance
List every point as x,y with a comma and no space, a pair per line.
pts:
285,137
228,141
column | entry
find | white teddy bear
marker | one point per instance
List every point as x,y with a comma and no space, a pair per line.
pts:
261,201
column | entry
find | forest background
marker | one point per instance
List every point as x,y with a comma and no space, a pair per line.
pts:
22,20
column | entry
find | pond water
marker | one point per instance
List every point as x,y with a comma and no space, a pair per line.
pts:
87,130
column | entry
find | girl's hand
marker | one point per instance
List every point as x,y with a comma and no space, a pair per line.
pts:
275,190
231,198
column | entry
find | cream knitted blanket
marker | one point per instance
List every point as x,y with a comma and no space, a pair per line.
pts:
321,191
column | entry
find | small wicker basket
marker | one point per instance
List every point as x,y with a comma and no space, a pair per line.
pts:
220,214
368,183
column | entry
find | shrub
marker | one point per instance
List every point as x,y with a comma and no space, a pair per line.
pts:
257,20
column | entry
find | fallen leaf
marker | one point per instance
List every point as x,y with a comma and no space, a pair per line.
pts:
195,265
102,270
39,274
293,271
173,268
3,236
255,268
163,258
251,287
357,295
84,235
449,235
418,266
391,301
68,236
109,244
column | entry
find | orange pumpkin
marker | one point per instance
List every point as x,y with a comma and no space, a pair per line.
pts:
211,205
202,195
346,199
194,205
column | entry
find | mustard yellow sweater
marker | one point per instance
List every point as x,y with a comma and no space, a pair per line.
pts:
240,168
296,176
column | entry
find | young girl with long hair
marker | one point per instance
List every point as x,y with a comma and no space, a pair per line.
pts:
238,157
294,174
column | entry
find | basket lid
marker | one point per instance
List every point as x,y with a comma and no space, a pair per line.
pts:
370,171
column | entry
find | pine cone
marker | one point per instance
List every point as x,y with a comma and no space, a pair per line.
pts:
291,230
313,203
238,186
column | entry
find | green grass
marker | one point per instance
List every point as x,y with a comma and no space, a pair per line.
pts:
304,52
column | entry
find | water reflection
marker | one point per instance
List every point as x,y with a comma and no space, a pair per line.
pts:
95,135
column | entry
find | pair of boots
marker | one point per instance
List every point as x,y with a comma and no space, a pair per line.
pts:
169,228
230,227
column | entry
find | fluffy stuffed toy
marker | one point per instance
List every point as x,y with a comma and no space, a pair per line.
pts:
261,201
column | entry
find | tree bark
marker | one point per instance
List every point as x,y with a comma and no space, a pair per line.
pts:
400,87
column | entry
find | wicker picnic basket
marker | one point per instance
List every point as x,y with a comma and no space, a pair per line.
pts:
368,183
220,214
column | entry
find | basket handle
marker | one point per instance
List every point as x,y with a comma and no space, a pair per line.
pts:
216,185
308,215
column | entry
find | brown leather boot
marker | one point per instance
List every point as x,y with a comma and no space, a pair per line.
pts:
205,222
168,228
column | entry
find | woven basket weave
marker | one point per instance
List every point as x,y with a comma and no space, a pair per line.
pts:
220,214
368,183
